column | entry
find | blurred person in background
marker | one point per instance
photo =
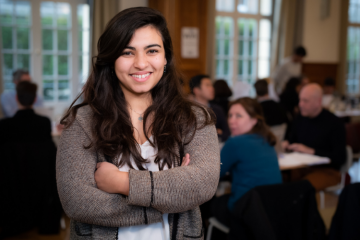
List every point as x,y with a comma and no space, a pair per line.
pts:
8,99
29,195
222,94
274,113
25,125
318,132
203,91
248,155
290,67
330,97
304,80
289,98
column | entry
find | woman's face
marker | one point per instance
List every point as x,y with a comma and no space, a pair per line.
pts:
239,120
141,65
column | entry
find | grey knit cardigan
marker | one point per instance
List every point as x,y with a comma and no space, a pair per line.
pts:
178,191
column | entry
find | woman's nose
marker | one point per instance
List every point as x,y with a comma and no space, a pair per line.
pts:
140,61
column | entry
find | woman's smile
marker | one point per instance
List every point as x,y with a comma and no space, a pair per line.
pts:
141,76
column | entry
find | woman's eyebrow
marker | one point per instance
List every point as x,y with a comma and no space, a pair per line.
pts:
149,46
152,45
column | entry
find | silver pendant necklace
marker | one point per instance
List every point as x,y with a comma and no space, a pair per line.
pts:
140,118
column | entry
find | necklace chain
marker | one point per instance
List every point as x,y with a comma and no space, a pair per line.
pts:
140,118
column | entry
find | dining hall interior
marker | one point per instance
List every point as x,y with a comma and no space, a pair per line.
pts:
281,78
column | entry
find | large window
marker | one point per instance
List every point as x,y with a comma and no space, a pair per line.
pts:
353,48
243,34
51,40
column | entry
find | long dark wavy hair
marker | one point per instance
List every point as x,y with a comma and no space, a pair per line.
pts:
112,130
254,109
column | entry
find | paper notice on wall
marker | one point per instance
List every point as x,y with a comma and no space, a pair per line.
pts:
189,42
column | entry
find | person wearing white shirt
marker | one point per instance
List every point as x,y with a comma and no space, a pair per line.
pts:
290,67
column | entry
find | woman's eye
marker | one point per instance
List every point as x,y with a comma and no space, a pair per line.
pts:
238,115
126,53
153,51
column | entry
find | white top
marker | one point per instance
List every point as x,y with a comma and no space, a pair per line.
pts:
155,231
284,72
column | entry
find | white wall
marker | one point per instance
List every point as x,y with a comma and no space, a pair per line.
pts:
132,3
321,37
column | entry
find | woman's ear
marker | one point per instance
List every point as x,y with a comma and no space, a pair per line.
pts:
253,121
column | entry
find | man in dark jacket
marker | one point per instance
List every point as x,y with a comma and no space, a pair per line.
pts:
203,91
25,126
317,131
28,155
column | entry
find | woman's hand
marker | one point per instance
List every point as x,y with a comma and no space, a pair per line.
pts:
109,179
186,160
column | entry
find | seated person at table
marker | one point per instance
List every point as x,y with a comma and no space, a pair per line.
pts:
25,126
8,98
203,92
248,155
274,113
319,132
331,98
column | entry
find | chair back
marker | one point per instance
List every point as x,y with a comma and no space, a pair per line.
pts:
352,136
279,132
349,160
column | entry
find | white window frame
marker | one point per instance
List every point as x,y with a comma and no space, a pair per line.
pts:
353,78
235,15
35,51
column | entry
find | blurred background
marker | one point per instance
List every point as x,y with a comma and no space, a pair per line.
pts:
238,41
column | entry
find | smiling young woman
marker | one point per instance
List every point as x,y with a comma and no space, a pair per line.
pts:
123,164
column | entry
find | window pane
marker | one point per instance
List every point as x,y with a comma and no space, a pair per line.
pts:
226,47
48,89
7,39
353,59
250,68
224,26
252,28
47,39
265,29
64,89
8,64
225,5
241,48
23,11
264,49
63,14
266,7
228,26
23,61
240,67
23,38
47,12
354,11
247,28
6,12
247,6
226,67
263,68
218,68
62,40
48,65
63,65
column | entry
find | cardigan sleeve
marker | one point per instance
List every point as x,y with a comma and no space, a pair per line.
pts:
182,188
81,199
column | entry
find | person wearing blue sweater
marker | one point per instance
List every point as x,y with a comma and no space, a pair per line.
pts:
248,155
